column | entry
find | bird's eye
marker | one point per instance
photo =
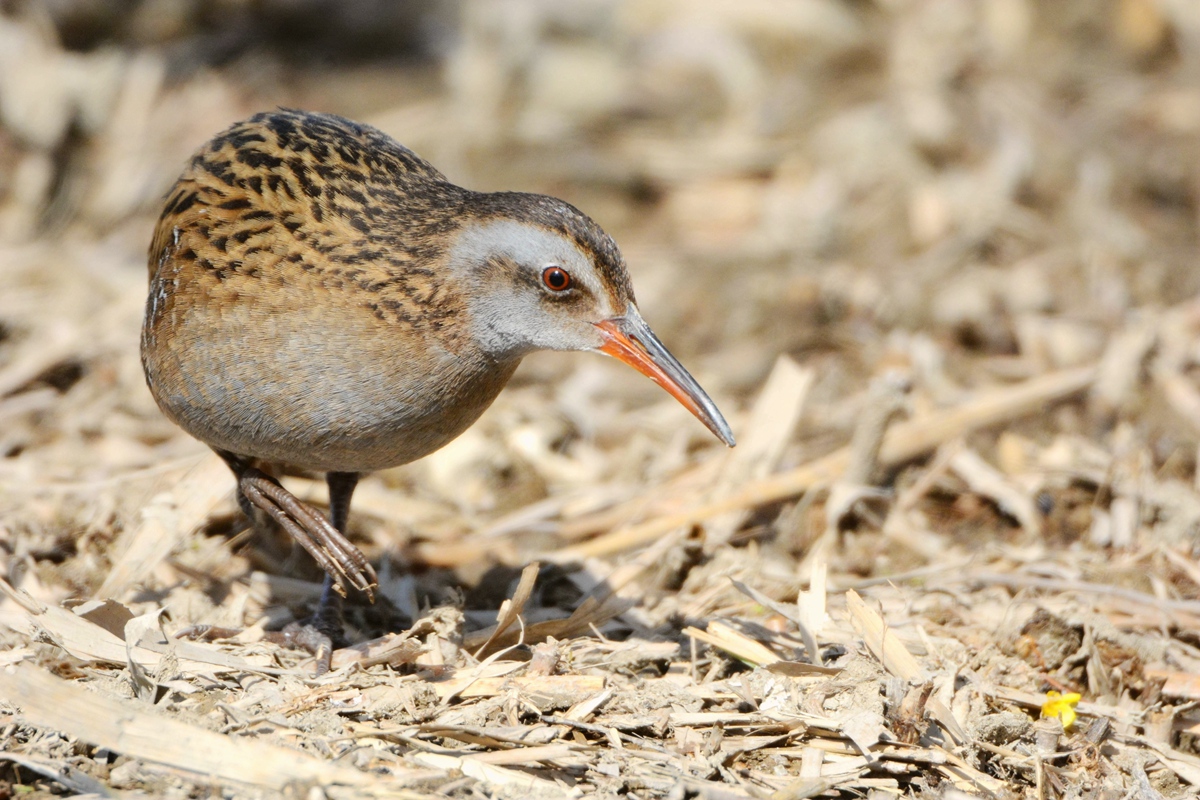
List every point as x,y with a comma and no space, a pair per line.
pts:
556,278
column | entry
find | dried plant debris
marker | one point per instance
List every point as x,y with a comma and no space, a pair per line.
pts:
937,259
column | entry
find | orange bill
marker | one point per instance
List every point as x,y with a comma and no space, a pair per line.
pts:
630,339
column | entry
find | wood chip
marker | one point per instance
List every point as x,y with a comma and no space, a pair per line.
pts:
139,732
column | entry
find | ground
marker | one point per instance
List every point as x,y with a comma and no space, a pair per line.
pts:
935,259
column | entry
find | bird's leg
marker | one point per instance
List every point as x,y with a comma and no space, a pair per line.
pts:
323,630
341,490
324,540
342,562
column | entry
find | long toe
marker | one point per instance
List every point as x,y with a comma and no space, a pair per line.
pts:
340,559
316,636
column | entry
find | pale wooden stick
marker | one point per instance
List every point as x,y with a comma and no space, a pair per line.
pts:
165,522
904,441
773,420
143,732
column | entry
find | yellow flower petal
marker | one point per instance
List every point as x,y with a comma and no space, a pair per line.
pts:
1061,706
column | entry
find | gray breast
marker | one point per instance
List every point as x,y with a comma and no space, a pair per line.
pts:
344,400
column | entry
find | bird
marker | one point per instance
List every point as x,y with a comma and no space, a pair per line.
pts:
322,297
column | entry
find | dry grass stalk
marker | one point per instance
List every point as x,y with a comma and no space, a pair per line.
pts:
904,441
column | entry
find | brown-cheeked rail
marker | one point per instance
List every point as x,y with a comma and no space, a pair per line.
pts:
322,297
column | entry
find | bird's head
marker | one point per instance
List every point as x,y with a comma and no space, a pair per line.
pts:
540,275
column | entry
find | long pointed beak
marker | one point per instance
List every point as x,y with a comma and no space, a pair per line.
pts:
630,339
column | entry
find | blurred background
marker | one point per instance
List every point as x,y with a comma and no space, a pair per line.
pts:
971,192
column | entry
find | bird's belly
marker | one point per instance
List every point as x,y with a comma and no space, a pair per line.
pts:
326,400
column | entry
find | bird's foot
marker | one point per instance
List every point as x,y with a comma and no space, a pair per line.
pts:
207,633
331,550
312,638
319,635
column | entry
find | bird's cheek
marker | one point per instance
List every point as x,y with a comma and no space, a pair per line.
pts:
575,332
593,336
568,334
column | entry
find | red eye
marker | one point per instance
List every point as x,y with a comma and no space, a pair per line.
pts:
556,278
